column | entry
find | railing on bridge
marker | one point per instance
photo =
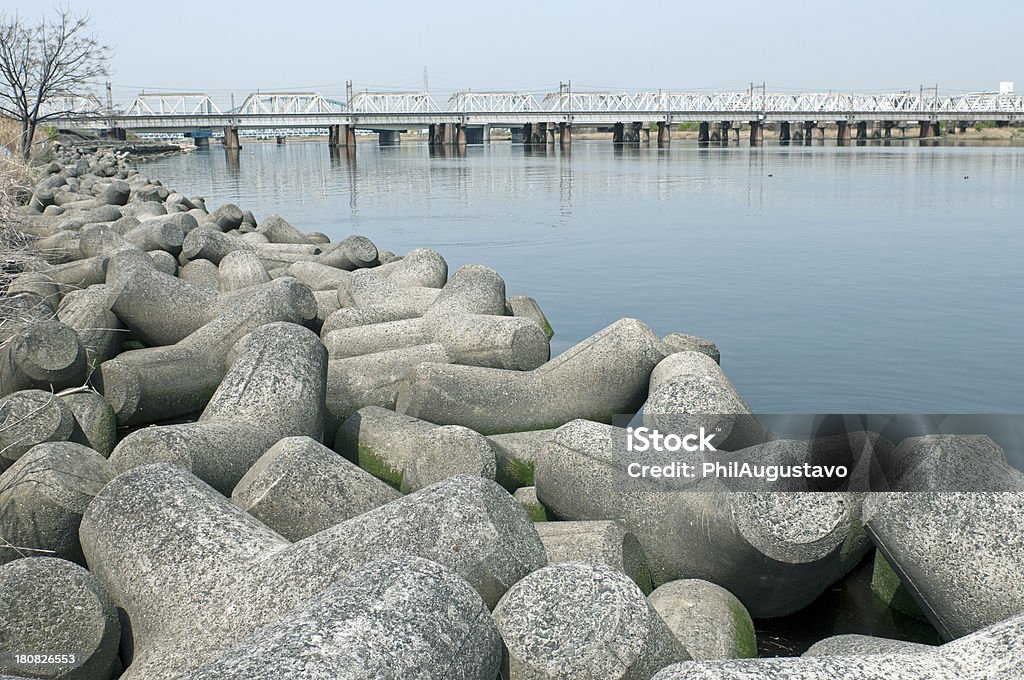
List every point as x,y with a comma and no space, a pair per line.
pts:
392,102
486,102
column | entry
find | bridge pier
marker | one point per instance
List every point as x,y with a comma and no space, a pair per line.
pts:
862,130
928,128
201,142
389,137
517,135
474,134
645,133
664,134
341,135
281,139
564,134
809,126
231,140
784,132
618,133
756,132
842,132
703,135
716,132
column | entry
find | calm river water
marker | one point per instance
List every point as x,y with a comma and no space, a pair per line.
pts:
843,279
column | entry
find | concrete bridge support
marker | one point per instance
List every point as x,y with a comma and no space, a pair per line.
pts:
281,139
441,134
703,133
517,135
735,132
928,128
664,134
627,133
842,132
535,133
862,130
784,133
201,142
756,132
716,133
460,134
389,137
564,134
474,134
341,135
809,126
231,140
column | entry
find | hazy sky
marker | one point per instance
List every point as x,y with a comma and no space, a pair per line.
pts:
223,47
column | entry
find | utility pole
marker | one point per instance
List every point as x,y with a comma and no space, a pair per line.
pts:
426,81
110,106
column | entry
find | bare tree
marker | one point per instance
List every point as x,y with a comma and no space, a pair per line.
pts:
44,66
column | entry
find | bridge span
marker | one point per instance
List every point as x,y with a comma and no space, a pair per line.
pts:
467,117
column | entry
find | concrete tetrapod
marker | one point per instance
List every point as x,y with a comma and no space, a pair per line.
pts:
300,487
46,355
580,620
53,608
598,542
157,383
198,576
32,417
963,577
707,619
421,267
43,496
605,375
409,453
775,550
87,312
395,618
993,652
159,308
273,389
689,391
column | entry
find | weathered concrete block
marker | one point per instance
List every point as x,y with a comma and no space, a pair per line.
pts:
32,417
42,498
474,289
514,454
278,230
273,389
300,487
164,262
81,273
95,419
198,576
87,313
318,276
157,235
863,645
354,252
402,617
201,273
39,283
526,307
527,497
53,608
351,317
157,383
681,342
240,269
115,193
959,554
994,652
43,355
689,391
366,288
598,542
409,453
210,244
582,620
950,463
776,548
421,267
605,375
96,240
161,309
470,339
227,217
372,380
708,620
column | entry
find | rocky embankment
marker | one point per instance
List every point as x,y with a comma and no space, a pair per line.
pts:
232,449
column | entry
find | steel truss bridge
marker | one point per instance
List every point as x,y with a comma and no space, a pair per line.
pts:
403,110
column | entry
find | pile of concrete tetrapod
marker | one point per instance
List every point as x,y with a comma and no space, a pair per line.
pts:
231,449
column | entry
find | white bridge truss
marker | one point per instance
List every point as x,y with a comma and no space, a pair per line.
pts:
401,110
